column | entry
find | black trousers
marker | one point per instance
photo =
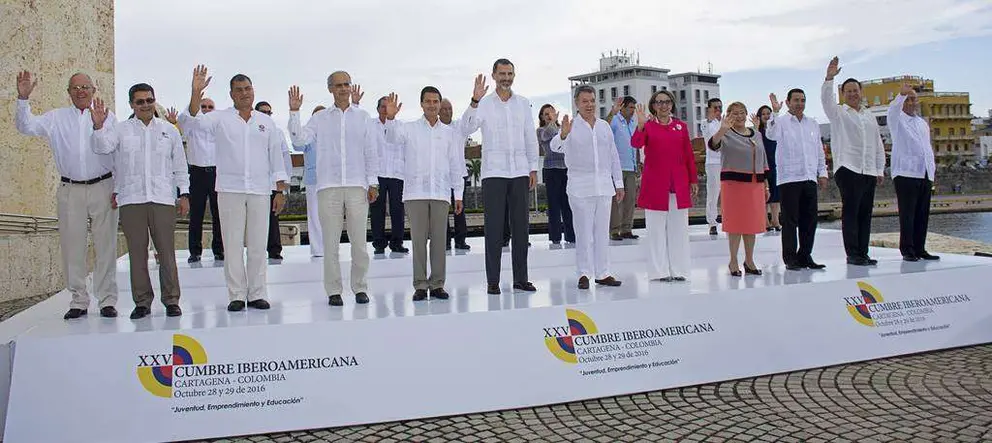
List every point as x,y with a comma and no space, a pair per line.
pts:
390,190
502,195
201,189
913,196
857,196
461,226
799,207
274,246
559,212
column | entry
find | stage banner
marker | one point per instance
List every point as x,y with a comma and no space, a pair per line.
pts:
201,383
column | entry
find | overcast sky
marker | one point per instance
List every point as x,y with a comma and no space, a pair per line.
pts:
756,46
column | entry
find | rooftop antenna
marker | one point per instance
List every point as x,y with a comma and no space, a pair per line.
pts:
709,67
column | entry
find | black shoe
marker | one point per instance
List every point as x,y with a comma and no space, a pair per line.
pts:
335,300
400,249
525,286
140,312
928,256
749,271
813,265
108,312
665,279
734,272
870,261
713,230
794,266
275,256
608,281
630,235
236,305
616,237
493,289
462,246
679,278
361,298
173,311
219,257
379,251
506,243
857,261
259,304
420,295
583,282
74,313
193,259
910,258
439,293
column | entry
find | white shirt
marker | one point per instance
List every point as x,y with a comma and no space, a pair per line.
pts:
435,157
855,141
68,131
287,156
709,128
344,144
150,162
912,154
457,124
249,154
592,159
390,154
799,156
509,142
200,144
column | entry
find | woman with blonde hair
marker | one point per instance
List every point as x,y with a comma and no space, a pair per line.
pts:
743,183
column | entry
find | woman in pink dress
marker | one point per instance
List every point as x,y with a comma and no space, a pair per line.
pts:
668,185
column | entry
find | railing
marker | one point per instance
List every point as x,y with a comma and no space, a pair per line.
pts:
27,224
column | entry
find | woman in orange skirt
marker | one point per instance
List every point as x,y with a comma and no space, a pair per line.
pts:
743,187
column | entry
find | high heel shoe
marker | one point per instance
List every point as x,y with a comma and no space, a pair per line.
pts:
750,271
734,273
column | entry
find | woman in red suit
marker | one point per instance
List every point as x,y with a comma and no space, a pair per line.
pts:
668,186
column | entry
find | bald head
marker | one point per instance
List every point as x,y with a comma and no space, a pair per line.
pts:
446,111
207,105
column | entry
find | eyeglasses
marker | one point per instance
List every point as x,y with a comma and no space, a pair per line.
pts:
341,85
206,107
144,101
78,88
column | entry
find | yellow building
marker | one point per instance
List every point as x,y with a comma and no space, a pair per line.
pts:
947,113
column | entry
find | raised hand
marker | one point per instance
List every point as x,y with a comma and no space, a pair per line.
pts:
356,93
833,68
566,127
728,121
755,120
776,105
172,116
98,112
617,106
642,116
295,98
480,88
393,105
25,84
200,78
906,89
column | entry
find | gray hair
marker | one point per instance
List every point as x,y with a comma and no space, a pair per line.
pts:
336,73
69,82
584,88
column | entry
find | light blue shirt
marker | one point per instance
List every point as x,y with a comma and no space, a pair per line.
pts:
622,132
309,165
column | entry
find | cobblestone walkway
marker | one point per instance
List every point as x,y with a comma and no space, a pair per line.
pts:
936,397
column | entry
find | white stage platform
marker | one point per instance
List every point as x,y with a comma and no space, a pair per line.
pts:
482,359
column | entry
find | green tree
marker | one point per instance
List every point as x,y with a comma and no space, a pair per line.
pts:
474,170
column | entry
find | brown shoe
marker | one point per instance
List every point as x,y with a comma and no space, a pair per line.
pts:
583,282
608,281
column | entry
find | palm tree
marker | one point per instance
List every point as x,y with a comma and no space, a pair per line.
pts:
474,170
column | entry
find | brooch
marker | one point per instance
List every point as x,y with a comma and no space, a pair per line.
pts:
261,128
678,127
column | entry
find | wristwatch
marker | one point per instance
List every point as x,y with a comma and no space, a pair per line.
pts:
474,100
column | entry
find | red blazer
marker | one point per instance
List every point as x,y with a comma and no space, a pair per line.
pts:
669,164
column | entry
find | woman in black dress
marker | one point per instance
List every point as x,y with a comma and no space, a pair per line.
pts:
764,113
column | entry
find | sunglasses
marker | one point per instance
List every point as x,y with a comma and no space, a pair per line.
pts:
145,101
206,107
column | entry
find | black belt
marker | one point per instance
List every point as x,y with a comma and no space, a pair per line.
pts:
205,168
88,182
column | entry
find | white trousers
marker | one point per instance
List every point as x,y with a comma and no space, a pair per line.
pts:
668,241
78,204
313,223
336,204
591,219
712,193
244,218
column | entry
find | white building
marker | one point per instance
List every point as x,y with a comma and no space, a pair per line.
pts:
620,74
692,91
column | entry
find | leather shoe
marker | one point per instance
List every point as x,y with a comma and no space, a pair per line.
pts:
910,258
630,235
379,251
108,311
259,304
420,295
193,259
275,256
361,298
713,230
583,282
857,261
928,256
616,237
335,300
608,281
74,313
525,286
439,293
813,265
236,305
139,312
400,249
794,267
463,246
219,257
493,289
173,311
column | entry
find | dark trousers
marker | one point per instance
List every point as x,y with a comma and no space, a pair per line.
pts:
502,195
559,212
201,189
461,226
913,195
857,196
390,190
799,207
274,245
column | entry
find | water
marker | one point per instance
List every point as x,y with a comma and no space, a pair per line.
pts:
975,226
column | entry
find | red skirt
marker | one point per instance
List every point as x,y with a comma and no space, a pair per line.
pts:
743,207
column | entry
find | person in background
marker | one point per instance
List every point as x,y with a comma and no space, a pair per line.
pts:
714,111
202,188
274,245
774,207
390,190
622,123
668,188
460,232
555,178
314,231
742,182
